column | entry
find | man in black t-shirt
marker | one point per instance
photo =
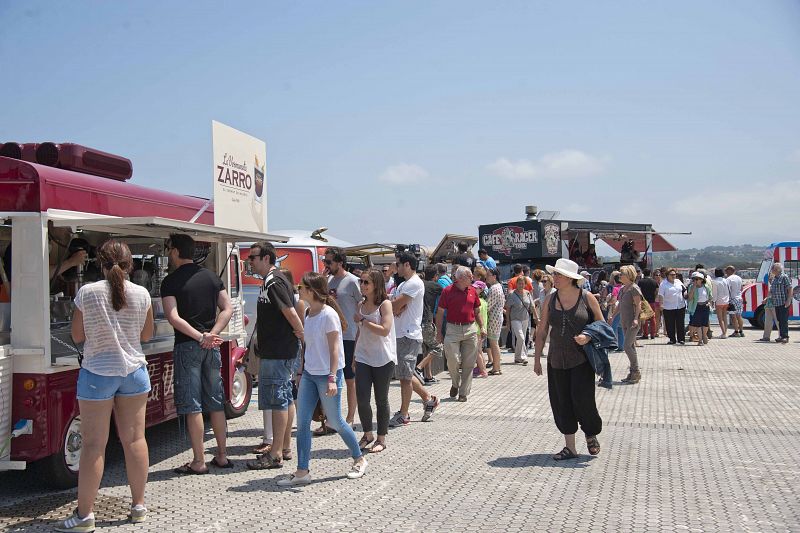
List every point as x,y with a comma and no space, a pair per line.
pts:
279,331
191,296
649,289
464,257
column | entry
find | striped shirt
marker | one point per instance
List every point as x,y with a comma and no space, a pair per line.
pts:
112,345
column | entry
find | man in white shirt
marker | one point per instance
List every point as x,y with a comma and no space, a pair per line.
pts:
735,286
407,305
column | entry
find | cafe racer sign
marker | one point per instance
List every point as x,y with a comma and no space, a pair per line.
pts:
240,173
521,240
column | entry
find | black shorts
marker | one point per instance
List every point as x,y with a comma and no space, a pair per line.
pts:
349,352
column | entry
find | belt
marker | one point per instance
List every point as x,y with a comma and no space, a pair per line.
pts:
460,323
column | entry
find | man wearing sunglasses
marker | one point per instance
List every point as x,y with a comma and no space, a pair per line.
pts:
345,288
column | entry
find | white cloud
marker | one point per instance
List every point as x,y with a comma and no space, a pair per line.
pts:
566,164
403,174
762,210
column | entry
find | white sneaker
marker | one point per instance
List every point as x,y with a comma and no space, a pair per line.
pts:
74,524
294,481
358,470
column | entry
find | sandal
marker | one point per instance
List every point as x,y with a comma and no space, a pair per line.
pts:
378,447
287,454
216,463
364,443
262,448
322,431
188,470
593,444
564,454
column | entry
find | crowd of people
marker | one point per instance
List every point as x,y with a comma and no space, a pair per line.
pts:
339,336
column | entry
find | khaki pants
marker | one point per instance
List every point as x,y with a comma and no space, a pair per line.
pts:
461,351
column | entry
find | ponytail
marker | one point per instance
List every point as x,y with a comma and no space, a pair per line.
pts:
115,257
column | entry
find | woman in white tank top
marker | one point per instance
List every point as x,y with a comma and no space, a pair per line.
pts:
375,357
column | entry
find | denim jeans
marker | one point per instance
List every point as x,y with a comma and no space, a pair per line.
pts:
619,332
312,389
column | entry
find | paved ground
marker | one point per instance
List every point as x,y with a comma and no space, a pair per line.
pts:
708,441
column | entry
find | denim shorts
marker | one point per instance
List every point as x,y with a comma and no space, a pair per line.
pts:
95,387
274,384
198,379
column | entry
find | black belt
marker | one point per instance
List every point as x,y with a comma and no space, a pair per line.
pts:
460,323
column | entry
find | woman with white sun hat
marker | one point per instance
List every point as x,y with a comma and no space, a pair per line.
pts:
570,377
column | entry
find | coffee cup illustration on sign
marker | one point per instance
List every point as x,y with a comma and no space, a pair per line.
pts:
258,170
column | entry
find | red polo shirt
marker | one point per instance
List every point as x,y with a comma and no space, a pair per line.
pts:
460,305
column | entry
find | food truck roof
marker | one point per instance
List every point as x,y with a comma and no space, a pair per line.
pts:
616,233
446,248
155,227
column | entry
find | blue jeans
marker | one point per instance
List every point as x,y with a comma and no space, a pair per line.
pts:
782,314
313,389
618,331
198,381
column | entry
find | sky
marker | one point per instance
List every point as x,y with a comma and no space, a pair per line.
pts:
402,121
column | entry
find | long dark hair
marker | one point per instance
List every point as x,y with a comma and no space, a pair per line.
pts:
376,278
318,285
115,258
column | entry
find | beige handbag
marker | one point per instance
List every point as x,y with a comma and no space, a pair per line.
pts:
647,311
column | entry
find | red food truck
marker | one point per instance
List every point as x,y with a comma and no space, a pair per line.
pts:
44,211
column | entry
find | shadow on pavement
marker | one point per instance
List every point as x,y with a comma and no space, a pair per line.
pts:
544,460
270,484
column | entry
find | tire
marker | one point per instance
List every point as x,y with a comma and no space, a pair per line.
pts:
60,470
241,391
758,320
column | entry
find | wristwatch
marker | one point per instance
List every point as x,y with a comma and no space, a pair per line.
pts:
331,378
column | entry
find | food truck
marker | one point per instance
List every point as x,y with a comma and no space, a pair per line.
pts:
539,242
80,195
753,295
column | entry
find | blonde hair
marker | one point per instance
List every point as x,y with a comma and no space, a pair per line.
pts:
629,271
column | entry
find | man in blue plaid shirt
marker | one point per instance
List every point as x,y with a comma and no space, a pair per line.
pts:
781,292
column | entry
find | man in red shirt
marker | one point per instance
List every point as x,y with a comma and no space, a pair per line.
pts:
461,302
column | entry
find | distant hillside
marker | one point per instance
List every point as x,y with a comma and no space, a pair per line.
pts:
741,256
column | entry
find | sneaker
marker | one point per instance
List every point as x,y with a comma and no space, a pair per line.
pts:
76,524
627,378
682,343
138,514
265,462
358,470
723,336
419,374
741,333
430,407
779,339
476,372
462,399
762,339
785,340
430,381
398,420
635,377
604,384
453,392
294,481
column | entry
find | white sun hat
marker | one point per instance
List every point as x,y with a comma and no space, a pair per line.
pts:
567,268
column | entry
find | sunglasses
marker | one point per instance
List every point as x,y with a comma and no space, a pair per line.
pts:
364,281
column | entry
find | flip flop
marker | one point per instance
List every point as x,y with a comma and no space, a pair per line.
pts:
188,470
382,447
216,463
364,442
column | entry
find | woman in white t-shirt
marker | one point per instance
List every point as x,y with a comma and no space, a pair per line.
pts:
375,358
322,377
112,318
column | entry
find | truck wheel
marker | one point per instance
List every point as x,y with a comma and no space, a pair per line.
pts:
241,390
758,319
61,468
